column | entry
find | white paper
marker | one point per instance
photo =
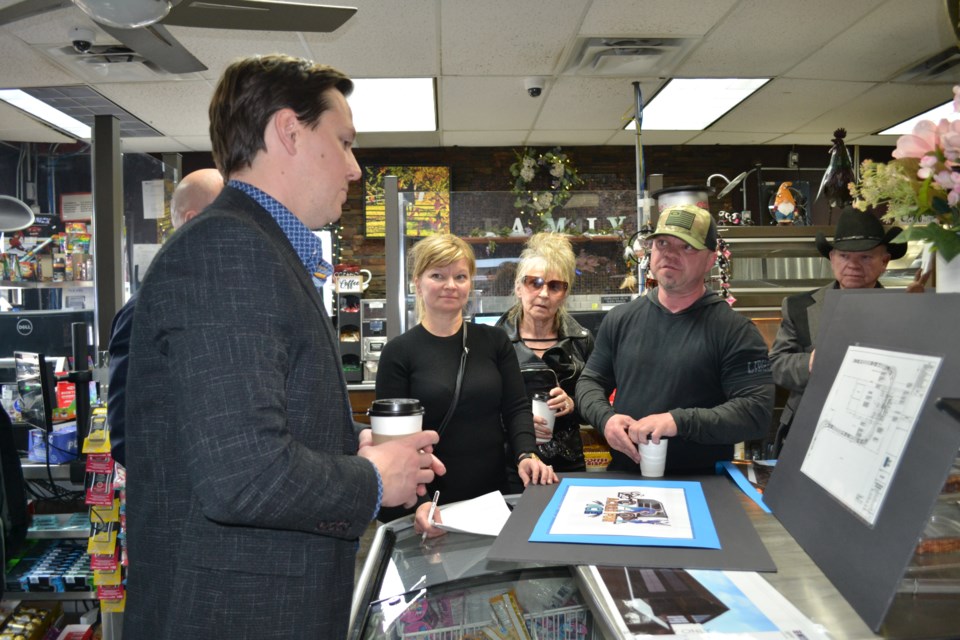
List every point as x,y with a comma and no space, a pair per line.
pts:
652,512
866,421
483,516
152,199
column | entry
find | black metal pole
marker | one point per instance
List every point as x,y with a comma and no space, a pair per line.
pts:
81,377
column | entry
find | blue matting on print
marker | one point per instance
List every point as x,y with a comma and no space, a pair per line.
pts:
704,532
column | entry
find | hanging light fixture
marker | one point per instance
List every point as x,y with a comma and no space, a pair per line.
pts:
125,14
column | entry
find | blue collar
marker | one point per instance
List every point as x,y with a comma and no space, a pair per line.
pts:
305,242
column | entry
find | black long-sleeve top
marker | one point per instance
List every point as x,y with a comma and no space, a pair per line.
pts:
492,409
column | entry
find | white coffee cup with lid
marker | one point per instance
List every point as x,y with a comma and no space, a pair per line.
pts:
392,418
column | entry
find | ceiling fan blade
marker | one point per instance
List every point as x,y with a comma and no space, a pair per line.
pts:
258,15
28,8
157,45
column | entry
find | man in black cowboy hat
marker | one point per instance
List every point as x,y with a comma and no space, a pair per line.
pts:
859,255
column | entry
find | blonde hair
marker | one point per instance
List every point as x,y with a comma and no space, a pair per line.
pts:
439,250
554,253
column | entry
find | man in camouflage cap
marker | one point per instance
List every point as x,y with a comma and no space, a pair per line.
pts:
685,365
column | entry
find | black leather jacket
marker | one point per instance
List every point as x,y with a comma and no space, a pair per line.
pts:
562,363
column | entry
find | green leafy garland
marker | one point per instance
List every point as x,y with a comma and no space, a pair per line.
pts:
537,202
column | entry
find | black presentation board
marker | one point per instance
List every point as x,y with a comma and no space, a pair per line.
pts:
741,547
866,563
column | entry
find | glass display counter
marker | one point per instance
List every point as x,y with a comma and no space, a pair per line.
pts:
447,588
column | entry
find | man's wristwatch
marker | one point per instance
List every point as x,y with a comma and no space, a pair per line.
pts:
524,456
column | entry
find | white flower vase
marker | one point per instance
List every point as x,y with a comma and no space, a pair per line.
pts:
948,275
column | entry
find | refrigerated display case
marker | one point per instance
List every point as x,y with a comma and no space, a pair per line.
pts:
447,588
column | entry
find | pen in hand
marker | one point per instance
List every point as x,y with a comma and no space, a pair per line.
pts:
433,509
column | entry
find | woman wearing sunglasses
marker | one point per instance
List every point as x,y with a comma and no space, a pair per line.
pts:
552,347
468,381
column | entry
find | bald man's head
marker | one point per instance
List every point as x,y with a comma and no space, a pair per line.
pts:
194,193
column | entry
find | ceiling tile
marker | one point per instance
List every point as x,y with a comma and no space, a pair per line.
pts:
506,37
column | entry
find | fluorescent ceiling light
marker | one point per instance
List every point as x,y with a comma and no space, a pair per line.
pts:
38,109
393,104
693,104
944,111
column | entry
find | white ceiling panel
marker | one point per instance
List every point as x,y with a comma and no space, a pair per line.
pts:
19,56
603,104
383,39
654,17
151,145
832,63
863,53
503,37
764,38
484,138
399,139
19,127
880,107
162,105
491,103
721,137
784,105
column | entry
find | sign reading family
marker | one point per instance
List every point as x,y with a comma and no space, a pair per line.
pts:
593,225
424,199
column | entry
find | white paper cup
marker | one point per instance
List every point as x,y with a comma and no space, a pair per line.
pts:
395,418
653,458
541,409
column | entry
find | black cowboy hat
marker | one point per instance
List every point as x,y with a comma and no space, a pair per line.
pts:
861,231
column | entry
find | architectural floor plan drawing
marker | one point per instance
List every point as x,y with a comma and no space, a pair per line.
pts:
866,421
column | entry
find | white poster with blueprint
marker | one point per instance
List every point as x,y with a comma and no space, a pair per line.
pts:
867,419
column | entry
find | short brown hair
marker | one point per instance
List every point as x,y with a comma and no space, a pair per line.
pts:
252,89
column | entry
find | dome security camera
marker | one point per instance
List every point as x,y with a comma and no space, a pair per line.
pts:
534,86
82,39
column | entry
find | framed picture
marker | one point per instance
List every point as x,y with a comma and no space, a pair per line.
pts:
424,199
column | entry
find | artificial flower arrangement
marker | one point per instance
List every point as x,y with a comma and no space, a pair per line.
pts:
542,201
920,186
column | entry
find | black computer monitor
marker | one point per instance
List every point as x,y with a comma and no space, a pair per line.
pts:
35,386
589,319
486,318
47,332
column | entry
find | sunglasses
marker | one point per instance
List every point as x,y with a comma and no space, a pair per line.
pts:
536,284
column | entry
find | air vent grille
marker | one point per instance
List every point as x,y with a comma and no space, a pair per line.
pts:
940,67
635,57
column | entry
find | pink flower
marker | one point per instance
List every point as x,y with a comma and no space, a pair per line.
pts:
950,140
956,98
922,141
945,179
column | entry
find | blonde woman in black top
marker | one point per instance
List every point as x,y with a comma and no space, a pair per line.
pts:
492,408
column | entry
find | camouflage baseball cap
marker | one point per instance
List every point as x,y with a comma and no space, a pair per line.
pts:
690,223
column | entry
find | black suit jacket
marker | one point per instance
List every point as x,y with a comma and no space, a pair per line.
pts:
244,498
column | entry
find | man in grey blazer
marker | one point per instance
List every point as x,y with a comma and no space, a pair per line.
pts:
248,485
858,255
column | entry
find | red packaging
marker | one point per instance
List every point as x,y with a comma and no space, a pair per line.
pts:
76,632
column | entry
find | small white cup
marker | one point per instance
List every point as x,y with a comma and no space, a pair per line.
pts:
653,458
541,409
